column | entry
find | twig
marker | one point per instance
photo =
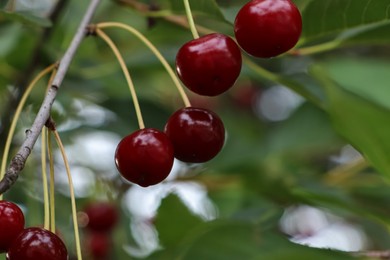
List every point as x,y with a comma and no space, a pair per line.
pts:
19,160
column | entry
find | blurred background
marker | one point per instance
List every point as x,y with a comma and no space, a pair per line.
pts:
290,182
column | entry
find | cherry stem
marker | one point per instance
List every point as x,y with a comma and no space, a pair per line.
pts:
190,18
155,51
72,196
44,181
51,184
346,171
327,46
122,63
15,118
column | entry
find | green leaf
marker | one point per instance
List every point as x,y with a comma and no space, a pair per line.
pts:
203,7
326,17
377,34
306,132
26,18
367,78
365,124
174,221
239,240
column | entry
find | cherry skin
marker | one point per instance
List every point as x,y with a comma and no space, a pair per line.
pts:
197,134
36,243
11,224
145,157
209,65
102,216
267,28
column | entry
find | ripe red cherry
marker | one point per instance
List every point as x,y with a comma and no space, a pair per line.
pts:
267,28
210,64
197,134
145,157
36,243
102,216
11,223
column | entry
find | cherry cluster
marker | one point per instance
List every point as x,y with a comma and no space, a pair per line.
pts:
102,219
27,243
208,66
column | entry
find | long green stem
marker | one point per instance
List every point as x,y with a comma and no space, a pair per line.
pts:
122,63
72,196
44,181
327,46
51,184
15,118
295,86
190,18
155,51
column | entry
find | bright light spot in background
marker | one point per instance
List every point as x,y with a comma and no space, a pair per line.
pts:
316,228
277,103
83,113
347,154
83,181
94,150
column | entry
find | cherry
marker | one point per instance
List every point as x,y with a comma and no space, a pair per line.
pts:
145,157
197,134
102,216
36,243
98,245
210,64
267,28
11,223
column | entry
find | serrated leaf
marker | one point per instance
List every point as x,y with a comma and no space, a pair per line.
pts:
365,124
26,18
325,17
203,7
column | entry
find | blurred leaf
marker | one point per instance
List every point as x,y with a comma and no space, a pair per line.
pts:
203,7
363,123
239,240
307,130
26,18
174,221
365,77
322,18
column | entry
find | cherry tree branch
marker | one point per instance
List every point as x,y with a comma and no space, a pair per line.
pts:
18,161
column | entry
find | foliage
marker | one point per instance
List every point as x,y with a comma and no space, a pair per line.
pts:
340,67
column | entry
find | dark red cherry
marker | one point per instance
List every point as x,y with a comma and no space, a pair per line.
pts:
267,28
98,245
197,134
210,64
36,243
145,157
102,216
11,223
